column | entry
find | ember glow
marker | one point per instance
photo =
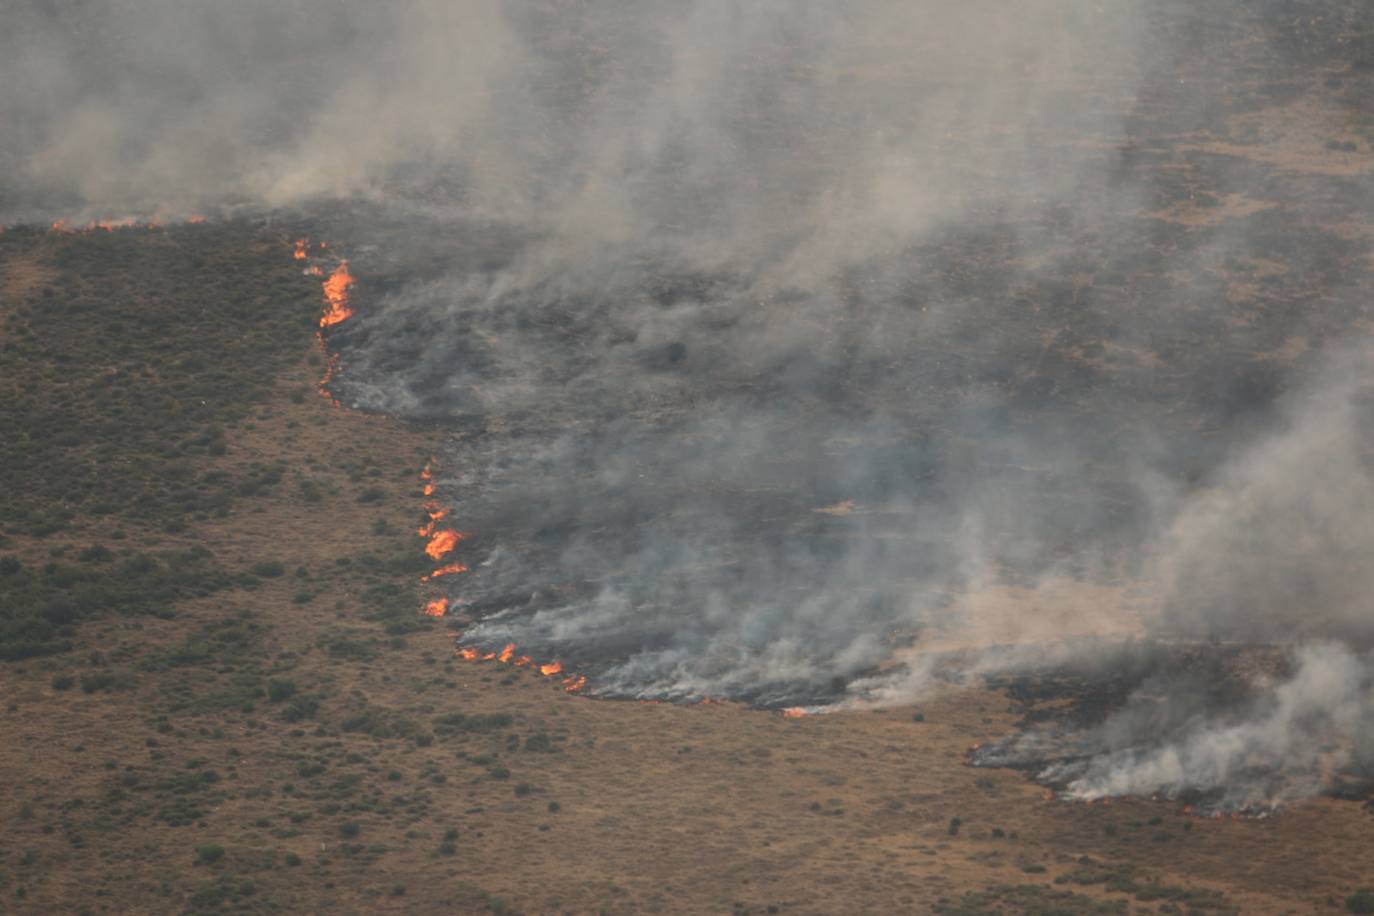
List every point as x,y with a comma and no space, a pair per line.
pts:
300,250
336,290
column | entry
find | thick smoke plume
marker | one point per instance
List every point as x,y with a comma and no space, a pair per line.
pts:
819,354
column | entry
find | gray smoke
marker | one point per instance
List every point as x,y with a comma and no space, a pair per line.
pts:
813,353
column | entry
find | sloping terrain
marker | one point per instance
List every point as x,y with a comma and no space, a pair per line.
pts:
281,729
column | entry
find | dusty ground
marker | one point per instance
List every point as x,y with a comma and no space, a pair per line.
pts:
367,799
289,743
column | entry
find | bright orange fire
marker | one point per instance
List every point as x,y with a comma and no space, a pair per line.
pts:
434,516
336,295
437,608
794,712
450,569
572,683
331,362
196,219
301,245
443,541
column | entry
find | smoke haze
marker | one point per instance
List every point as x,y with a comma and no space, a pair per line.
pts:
814,355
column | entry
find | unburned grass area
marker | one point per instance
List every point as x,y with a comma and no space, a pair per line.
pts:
125,358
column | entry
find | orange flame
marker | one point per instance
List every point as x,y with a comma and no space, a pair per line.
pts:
434,516
196,219
443,541
449,570
507,653
301,245
574,683
437,608
794,712
469,653
331,361
551,669
336,295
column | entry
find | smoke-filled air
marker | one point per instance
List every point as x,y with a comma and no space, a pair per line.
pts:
822,355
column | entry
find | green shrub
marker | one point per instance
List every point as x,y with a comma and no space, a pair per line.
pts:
279,690
209,854
268,569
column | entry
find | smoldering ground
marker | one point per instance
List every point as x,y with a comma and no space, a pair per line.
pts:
773,340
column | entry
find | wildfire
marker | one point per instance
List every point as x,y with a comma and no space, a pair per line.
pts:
195,219
336,295
107,225
299,254
572,683
442,541
794,712
435,514
331,362
450,569
437,608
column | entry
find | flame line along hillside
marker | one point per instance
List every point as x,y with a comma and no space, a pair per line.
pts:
124,354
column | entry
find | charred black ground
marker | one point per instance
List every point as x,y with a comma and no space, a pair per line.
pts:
689,482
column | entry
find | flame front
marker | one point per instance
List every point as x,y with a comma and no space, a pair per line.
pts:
437,608
551,669
442,541
299,252
794,712
507,653
447,570
336,296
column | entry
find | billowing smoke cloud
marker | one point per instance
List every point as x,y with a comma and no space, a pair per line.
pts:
813,354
